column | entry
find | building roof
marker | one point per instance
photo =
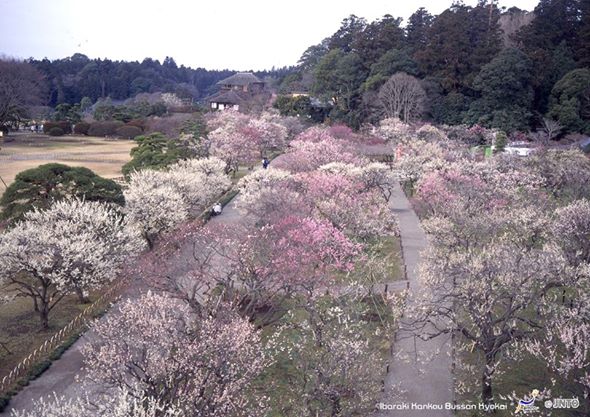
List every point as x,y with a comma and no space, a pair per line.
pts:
226,97
240,78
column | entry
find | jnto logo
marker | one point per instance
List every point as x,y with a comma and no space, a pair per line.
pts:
527,404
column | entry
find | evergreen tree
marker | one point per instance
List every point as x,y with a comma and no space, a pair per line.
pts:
417,30
552,35
570,101
378,38
390,63
505,92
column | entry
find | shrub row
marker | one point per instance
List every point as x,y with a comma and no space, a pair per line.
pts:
102,129
66,127
110,128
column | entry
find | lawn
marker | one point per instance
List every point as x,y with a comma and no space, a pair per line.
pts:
383,263
103,156
20,329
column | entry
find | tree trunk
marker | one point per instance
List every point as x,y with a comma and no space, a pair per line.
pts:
44,317
486,381
81,297
149,240
336,408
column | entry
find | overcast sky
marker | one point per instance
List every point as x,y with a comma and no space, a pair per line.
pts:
215,34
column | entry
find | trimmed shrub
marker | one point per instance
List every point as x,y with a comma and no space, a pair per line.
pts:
56,131
128,132
81,128
65,126
140,123
171,126
103,129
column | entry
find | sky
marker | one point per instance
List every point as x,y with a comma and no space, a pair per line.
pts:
213,34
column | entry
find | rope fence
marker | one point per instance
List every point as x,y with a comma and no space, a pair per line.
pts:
25,365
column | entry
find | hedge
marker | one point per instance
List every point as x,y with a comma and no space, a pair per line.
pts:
128,132
104,128
81,128
56,131
65,126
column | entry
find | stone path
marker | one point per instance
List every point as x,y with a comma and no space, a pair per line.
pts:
419,371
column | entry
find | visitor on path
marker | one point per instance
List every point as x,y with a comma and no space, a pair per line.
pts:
265,163
216,210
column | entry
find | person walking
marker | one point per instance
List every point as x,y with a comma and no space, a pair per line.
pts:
265,163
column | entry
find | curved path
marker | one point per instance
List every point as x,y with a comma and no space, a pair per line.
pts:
419,371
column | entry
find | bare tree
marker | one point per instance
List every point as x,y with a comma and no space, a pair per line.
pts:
402,96
551,128
21,85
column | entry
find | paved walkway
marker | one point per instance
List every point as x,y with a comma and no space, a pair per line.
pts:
419,371
61,376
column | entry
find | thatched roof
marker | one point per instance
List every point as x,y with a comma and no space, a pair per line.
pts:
226,97
241,78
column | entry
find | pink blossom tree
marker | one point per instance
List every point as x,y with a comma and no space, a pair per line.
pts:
305,155
345,202
259,268
241,140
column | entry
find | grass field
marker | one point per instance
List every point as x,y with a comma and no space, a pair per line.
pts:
104,156
20,328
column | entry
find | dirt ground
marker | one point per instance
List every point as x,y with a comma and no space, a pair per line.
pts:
19,152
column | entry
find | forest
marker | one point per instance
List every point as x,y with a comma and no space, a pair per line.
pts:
71,79
499,68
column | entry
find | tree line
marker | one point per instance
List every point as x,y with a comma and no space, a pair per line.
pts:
501,68
70,79
79,79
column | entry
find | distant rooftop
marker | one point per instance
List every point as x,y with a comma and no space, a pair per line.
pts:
241,78
226,97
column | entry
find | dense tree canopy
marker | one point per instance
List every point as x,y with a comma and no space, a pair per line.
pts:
461,59
506,93
70,79
20,87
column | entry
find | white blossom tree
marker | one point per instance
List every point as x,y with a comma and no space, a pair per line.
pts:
153,205
72,247
156,201
564,344
330,366
122,403
485,296
202,364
